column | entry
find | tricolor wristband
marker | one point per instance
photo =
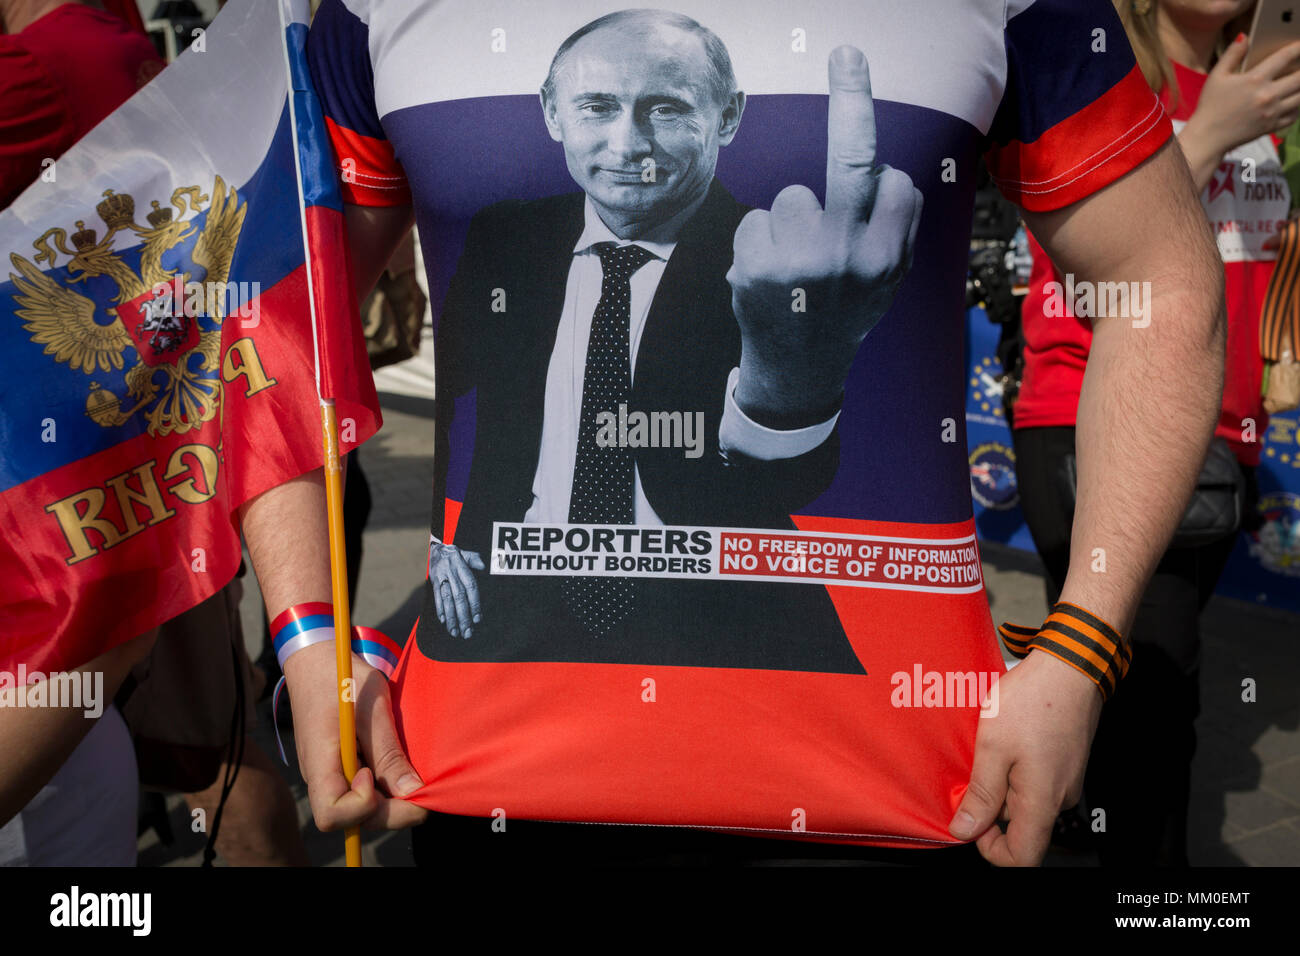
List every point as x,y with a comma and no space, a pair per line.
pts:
1080,639
301,626
313,623
376,648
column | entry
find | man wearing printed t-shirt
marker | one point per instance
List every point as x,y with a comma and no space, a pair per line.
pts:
433,115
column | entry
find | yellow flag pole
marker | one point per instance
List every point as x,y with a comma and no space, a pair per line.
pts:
342,614
297,11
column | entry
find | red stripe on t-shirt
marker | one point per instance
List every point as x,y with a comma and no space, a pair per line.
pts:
1086,151
369,172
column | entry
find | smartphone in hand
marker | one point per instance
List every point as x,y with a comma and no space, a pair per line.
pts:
1275,24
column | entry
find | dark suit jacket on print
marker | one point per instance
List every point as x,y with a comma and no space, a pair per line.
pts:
689,345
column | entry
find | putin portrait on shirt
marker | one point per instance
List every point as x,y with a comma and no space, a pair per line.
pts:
652,296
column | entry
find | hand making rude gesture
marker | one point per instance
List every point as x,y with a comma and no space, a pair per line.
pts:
809,283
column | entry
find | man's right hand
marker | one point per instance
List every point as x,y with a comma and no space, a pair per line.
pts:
334,804
455,592
287,540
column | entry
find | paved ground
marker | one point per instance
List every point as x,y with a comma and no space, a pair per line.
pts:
1246,778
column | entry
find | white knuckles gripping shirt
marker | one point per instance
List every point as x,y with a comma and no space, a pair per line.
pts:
729,451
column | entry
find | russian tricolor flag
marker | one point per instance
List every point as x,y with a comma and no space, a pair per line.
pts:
176,299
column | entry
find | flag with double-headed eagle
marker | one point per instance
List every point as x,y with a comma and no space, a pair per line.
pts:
175,298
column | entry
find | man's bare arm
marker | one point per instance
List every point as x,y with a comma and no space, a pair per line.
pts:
1151,392
1149,402
285,529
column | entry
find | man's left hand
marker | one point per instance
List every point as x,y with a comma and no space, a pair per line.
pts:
1029,760
455,592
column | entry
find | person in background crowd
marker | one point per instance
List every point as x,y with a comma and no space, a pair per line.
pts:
64,66
1139,772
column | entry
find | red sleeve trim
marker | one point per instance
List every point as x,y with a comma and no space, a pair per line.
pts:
1110,137
369,173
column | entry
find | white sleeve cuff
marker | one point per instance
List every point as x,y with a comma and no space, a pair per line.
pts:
738,432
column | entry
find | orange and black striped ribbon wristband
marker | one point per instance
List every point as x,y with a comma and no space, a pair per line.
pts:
1279,320
1080,639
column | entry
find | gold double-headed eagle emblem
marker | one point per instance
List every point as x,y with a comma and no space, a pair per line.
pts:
150,312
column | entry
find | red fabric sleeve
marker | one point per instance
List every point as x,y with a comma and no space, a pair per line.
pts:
1076,112
338,56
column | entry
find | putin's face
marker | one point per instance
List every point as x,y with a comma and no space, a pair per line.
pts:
640,124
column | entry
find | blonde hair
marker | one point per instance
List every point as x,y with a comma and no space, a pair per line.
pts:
1144,38
1150,52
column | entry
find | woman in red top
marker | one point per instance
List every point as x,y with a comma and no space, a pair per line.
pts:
63,68
1139,771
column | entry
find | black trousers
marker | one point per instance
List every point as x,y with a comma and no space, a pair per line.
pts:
472,842
1139,772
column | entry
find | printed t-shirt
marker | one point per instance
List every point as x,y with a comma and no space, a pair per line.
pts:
808,634
1246,200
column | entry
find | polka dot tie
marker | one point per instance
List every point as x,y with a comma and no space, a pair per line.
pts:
604,477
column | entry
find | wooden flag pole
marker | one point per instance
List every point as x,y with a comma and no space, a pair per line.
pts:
342,614
298,12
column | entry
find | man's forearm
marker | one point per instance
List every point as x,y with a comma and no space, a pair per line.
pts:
287,535
1140,442
286,528
1154,379
288,539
